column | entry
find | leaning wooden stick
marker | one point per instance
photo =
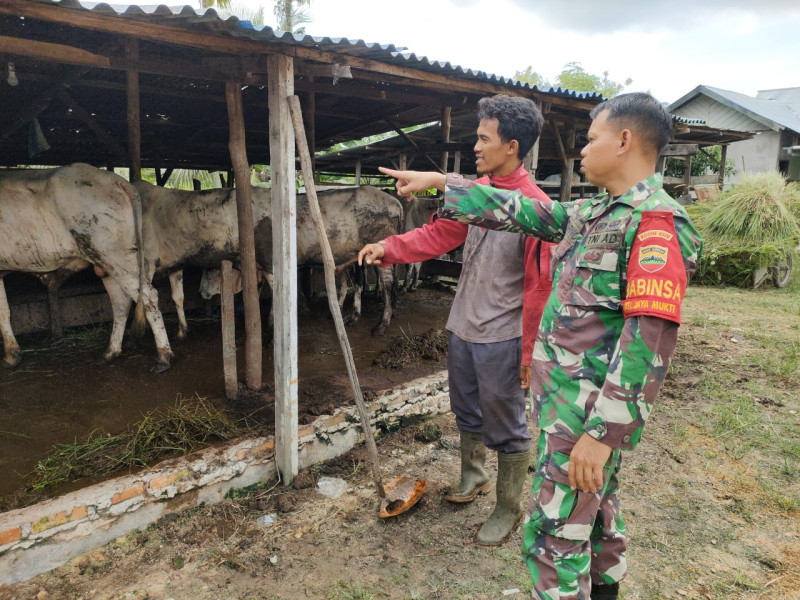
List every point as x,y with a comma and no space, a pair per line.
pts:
330,285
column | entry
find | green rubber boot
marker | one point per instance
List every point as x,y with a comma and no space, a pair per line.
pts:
474,478
511,472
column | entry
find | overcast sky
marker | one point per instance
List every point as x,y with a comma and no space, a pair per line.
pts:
667,47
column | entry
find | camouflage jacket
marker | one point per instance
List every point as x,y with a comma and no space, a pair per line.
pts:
609,327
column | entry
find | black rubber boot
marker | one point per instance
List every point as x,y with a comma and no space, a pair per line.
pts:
474,478
605,591
511,472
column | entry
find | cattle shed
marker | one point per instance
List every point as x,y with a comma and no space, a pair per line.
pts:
166,88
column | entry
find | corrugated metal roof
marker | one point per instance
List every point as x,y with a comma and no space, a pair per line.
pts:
386,53
771,112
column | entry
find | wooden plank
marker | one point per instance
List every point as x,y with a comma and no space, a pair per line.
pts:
687,171
247,251
358,172
284,259
133,114
457,162
228,333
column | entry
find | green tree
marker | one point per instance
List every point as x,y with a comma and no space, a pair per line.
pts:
575,77
531,77
705,162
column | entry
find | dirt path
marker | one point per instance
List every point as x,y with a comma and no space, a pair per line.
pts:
711,496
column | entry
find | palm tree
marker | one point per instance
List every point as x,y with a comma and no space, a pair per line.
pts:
291,16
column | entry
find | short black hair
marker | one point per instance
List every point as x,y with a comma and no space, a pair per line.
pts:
518,119
642,114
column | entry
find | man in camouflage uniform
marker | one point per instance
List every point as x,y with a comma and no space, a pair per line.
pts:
606,338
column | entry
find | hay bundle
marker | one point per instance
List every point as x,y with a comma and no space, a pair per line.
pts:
188,425
747,228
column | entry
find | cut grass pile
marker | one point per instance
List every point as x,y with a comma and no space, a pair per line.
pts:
187,426
747,228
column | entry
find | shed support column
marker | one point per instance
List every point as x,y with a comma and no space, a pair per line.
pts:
358,173
228,333
284,260
133,113
566,171
247,246
723,159
531,160
445,135
687,174
309,116
457,162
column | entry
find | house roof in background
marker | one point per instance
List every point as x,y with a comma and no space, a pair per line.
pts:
770,110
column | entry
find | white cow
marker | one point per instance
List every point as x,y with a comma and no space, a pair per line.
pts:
65,219
353,216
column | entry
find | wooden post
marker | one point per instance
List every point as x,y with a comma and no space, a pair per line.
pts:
566,172
358,172
457,162
446,110
531,161
687,173
330,284
247,246
661,163
723,159
403,161
134,113
284,261
309,118
228,333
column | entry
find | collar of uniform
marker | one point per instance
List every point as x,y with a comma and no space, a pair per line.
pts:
642,190
512,181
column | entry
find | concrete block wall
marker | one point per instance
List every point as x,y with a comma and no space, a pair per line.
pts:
44,536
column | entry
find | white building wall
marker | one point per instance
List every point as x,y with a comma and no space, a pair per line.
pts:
756,155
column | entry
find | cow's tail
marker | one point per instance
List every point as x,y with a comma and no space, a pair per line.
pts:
139,322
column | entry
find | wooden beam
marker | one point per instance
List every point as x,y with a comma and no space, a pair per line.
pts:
102,135
358,172
284,259
687,172
411,142
247,251
134,113
560,145
445,135
61,53
531,161
309,119
228,333
565,193
679,150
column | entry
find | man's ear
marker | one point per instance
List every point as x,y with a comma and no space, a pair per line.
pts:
513,148
625,139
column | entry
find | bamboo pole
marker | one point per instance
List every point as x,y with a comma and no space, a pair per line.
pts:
330,285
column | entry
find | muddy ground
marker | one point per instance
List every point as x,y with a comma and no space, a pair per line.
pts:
63,391
711,496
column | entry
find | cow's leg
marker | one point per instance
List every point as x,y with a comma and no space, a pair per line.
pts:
120,305
149,299
342,290
176,287
386,278
11,356
358,289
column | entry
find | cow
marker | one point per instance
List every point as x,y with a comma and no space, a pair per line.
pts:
186,228
418,212
67,218
352,217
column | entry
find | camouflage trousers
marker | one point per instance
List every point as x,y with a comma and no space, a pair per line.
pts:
571,538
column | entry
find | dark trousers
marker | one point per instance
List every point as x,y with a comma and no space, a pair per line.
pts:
485,394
